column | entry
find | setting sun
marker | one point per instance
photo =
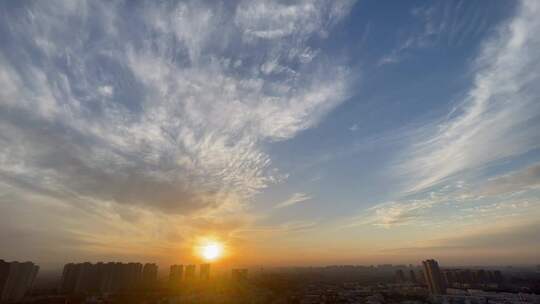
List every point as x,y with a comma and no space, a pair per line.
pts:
211,251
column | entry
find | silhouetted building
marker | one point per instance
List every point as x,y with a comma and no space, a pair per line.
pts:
149,275
465,278
109,276
16,279
4,275
190,272
400,276
85,278
480,276
497,275
413,276
421,277
84,282
239,274
136,270
176,274
204,271
449,277
433,277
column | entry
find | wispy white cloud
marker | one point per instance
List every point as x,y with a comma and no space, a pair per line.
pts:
106,90
499,116
274,20
505,196
187,103
436,210
396,55
294,199
393,214
447,23
522,180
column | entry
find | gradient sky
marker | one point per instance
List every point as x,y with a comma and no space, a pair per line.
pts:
295,132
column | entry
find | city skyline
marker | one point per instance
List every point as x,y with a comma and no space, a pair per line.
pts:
133,282
276,133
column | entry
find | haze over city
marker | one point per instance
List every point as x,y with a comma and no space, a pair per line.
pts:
270,133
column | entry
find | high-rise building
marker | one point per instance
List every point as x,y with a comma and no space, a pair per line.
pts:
108,278
190,272
434,278
413,276
421,277
176,274
204,271
84,278
400,276
69,278
4,275
131,276
16,279
467,278
497,275
449,277
149,275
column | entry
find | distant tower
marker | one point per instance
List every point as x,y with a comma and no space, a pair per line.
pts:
400,276
413,276
421,277
69,278
433,277
204,271
499,279
85,276
175,275
149,275
190,272
15,280
448,276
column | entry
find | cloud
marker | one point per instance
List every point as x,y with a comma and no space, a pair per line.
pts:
525,179
106,90
516,237
438,209
420,38
447,24
498,117
393,214
293,200
503,197
268,234
273,20
166,107
397,54
522,235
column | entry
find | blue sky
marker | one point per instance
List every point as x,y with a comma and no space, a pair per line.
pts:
295,132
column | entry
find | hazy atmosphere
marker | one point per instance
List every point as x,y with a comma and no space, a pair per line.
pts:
290,132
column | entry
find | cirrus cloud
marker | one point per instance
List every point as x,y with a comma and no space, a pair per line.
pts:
162,106
497,119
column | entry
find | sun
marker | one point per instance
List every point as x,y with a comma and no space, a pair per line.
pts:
211,251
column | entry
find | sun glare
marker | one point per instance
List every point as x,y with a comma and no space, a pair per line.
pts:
211,251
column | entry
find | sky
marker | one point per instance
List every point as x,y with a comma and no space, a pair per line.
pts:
293,132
